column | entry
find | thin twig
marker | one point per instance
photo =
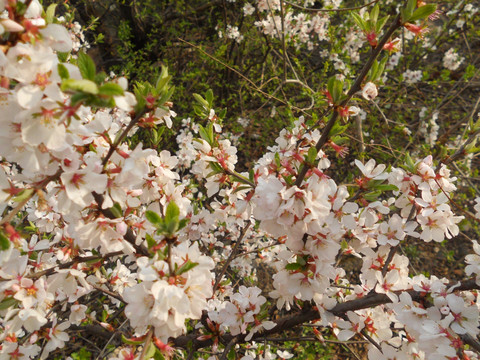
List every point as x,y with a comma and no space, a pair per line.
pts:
125,132
230,257
146,345
331,10
257,88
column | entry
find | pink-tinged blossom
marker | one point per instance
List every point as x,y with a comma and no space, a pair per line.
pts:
473,262
56,337
80,184
370,171
369,91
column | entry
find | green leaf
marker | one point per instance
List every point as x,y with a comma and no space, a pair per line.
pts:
409,164
63,71
372,196
204,134
338,129
201,100
335,88
381,23
7,302
359,21
172,221
386,187
301,260
209,97
150,241
111,89
172,212
154,218
312,155
188,265
131,342
277,160
4,242
24,195
374,14
407,12
83,85
50,13
182,223
86,66
150,351
293,267
83,354
423,12
116,210
79,97
163,79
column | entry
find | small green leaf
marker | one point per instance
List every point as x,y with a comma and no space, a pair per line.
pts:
381,23
204,134
150,241
359,21
116,210
78,98
335,88
372,196
387,187
150,351
154,218
4,242
209,97
293,267
131,342
301,260
111,89
201,100
407,12
188,265
86,66
423,12
277,160
7,302
50,13
63,71
312,155
172,221
24,195
182,223
83,85
374,14
172,212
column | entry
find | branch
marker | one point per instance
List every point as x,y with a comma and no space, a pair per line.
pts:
355,87
309,313
125,132
330,10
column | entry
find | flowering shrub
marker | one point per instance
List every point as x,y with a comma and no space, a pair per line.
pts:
158,252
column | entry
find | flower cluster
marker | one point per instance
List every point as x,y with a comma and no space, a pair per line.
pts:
96,230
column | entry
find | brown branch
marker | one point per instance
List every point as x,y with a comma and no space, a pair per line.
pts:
76,260
331,10
357,85
125,132
309,313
